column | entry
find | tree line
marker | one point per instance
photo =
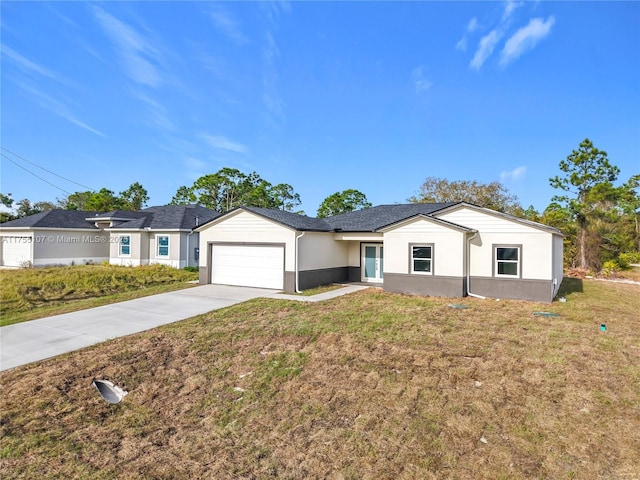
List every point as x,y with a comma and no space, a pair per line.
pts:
600,219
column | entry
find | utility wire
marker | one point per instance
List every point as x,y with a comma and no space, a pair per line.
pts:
42,168
35,175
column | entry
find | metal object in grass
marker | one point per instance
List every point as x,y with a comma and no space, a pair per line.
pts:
545,314
108,391
459,306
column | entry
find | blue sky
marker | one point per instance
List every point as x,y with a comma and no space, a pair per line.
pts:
325,96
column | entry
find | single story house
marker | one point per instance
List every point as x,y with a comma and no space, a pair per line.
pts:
161,234
441,249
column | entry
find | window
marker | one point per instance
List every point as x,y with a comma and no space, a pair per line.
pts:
422,259
125,245
196,254
507,261
163,245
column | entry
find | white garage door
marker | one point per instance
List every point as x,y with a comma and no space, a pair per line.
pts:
16,251
248,265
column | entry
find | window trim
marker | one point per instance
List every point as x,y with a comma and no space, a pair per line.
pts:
120,245
517,262
167,246
412,271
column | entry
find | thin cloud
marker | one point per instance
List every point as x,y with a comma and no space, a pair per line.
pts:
137,54
420,83
56,106
472,26
158,114
226,24
30,66
224,143
515,174
485,49
270,96
526,38
510,7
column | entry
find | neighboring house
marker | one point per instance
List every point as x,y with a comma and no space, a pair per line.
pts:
61,237
446,249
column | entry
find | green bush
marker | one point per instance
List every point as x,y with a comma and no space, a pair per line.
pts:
625,259
191,269
610,268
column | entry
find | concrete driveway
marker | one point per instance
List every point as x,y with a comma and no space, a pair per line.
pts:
35,340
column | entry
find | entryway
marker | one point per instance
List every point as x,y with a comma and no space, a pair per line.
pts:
372,262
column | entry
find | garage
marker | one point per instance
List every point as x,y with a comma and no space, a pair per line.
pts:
244,265
16,251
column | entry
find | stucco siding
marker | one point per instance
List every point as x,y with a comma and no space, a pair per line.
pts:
321,251
139,248
66,246
484,222
448,248
245,227
535,250
558,261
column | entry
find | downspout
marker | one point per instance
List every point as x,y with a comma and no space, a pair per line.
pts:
469,268
296,260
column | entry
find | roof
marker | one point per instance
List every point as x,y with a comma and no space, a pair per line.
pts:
54,219
374,218
168,217
293,220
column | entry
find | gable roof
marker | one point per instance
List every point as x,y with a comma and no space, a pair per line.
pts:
294,220
374,218
506,216
54,219
168,217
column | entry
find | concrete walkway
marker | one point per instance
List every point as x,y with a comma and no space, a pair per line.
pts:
35,340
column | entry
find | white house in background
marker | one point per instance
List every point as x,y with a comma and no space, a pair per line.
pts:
444,249
161,234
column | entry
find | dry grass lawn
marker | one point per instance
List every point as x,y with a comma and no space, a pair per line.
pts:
367,386
30,293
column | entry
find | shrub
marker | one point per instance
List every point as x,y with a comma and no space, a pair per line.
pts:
628,258
610,268
191,269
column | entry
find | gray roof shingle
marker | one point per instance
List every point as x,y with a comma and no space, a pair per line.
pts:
375,218
170,217
293,220
53,219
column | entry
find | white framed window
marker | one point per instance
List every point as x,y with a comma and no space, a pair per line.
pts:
422,259
163,245
507,261
124,246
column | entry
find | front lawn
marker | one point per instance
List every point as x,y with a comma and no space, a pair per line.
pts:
371,385
26,294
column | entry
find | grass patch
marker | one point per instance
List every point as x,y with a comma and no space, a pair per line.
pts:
369,385
28,294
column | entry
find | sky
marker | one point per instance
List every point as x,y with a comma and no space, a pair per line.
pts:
324,96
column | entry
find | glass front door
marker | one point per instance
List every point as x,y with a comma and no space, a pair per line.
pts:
372,262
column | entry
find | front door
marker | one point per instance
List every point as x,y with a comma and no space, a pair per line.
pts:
372,262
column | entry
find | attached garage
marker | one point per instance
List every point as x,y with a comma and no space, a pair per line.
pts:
248,265
16,251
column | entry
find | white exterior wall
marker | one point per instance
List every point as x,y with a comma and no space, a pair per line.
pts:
177,249
139,249
448,247
537,245
353,243
246,227
321,250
